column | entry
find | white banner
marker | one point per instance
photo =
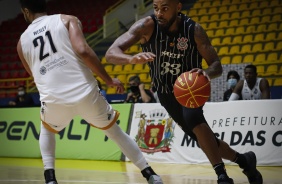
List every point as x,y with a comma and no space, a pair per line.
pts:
244,125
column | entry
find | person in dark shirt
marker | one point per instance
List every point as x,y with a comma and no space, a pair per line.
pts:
138,93
23,99
232,79
172,43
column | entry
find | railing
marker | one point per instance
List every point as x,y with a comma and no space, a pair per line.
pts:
98,36
114,6
10,89
143,9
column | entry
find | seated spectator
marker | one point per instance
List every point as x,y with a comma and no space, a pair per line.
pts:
252,88
232,79
23,99
138,93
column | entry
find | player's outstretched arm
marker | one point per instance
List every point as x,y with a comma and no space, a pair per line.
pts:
137,33
208,52
82,49
88,56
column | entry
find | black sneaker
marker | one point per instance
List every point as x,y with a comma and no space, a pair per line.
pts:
50,177
151,176
223,179
251,171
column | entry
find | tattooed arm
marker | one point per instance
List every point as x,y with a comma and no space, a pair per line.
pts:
208,52
140,31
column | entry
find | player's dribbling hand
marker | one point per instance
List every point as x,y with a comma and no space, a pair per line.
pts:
201,71
142,57
119,86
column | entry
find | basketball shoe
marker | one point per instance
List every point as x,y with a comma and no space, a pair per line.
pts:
50,177
251,171
223,179
151,176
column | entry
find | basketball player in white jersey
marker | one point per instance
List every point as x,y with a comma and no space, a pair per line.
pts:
54,52
252,88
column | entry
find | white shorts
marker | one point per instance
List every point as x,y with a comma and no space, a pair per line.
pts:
94,109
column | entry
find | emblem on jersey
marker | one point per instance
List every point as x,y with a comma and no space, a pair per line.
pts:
255,91
182,43
155,133
43,70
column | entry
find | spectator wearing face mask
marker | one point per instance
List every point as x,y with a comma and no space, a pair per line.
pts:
232,79
138,93
23,99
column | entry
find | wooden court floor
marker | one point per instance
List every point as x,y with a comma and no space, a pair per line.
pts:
30,171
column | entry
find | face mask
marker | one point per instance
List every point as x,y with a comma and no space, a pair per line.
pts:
231,83
21,93
134,89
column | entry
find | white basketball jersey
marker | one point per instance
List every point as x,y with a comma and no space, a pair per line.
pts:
59,74
251,94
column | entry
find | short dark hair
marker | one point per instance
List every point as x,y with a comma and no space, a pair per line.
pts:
35,6
234,73
135,78
253,67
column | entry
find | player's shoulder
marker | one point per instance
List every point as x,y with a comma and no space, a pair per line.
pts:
145,22
143,26
263,81
68,17
198,27
241,83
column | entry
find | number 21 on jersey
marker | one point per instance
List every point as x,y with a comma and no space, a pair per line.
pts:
39,40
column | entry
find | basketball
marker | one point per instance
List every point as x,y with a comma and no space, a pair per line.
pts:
191,89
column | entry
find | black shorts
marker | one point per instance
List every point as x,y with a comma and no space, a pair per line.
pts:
186,118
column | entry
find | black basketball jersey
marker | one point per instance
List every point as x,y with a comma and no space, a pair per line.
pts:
175,53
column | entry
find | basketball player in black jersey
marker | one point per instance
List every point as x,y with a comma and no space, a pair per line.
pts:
172,43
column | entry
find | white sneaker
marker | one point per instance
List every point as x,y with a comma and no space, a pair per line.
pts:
155,179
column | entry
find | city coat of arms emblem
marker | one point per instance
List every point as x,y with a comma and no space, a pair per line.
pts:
155,132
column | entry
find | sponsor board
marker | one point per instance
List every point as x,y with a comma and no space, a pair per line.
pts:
245,125
20,129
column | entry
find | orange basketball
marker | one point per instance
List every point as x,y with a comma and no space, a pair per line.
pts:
191,89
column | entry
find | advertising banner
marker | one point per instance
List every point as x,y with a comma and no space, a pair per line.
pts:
244,125
20,128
